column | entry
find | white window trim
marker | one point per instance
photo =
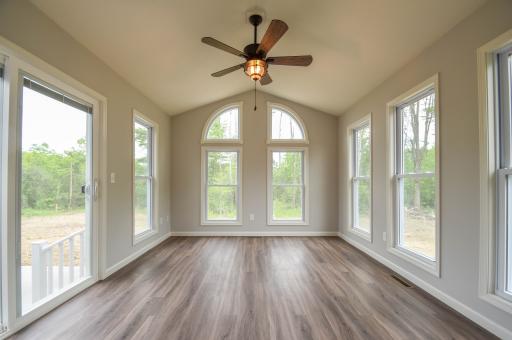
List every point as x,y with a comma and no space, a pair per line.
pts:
366,120
206,128
295,116
488,170
153,230
270,219
204,220
420,261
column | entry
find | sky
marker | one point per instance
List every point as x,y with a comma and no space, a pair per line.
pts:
46,120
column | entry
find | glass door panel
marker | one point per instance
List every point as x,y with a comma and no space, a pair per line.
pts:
55,192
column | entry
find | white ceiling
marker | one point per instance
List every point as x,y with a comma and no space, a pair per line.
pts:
356,44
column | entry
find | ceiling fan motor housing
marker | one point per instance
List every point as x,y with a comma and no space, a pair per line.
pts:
255,19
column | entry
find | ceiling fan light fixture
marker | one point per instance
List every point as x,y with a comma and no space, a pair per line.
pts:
255,68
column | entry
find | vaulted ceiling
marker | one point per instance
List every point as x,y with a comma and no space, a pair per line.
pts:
356,44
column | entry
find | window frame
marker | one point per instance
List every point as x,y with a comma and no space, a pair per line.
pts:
431,266
294,115
492,173
204,186
142,119
361,123
305,184
217,113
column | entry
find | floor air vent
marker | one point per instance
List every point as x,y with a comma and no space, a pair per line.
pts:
402,281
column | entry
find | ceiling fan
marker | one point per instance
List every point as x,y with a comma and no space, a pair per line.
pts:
257,62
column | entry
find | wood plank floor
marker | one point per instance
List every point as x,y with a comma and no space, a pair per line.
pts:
253,288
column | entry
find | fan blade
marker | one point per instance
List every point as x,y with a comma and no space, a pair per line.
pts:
266,79
220,45
275,31
300,60
227,70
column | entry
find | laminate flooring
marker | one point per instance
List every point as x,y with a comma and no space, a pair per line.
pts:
253,288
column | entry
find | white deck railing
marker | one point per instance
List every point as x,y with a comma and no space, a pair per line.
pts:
43,267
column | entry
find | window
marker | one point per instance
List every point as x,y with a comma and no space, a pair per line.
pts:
495,100
360,177
504,173
221,183
224,125
287,190
221,168
284,125
144,176
414,144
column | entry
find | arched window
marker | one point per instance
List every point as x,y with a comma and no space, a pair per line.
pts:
224,125
221,167
287,168
285,126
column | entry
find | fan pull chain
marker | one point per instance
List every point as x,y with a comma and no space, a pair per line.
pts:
255,96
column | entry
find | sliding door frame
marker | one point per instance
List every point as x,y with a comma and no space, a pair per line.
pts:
20,62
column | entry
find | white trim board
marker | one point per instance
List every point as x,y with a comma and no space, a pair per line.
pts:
460,307
132,257
253,233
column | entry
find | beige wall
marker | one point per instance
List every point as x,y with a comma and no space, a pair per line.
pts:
186,167
454,57
26,26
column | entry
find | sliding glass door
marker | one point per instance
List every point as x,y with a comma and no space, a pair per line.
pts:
55,193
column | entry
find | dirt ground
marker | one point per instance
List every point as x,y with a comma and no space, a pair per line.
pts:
55,227
51,228
419,233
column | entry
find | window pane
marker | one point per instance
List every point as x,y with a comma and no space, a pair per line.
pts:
284,126
287,202
287,167
418,219
419,135
141,202
225,126
222,167
508,226
222,203
362,208
362,140
142,136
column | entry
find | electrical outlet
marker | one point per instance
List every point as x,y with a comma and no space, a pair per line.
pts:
251,217
112,177
161,220
384,236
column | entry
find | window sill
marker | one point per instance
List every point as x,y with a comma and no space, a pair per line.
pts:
144,236
497,301
221,223
360,233
428,266
287,223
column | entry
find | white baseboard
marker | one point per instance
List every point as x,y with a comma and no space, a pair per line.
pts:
254,233
460,307
112,269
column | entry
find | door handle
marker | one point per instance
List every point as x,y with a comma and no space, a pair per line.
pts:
95,189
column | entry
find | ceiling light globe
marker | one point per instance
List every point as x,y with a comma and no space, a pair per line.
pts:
255,68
